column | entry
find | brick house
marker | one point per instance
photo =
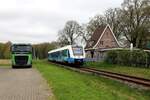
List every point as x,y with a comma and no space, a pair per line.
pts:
102,40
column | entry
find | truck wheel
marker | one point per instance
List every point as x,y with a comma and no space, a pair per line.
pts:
13,66
30,66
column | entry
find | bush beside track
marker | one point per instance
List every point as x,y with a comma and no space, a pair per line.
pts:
138,58
70,85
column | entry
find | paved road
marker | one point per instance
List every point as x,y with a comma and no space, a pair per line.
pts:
22,84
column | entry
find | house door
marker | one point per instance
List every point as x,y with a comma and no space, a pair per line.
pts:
92,54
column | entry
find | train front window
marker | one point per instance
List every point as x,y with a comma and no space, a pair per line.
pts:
77,50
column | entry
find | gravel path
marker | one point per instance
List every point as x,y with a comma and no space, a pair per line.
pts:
23,84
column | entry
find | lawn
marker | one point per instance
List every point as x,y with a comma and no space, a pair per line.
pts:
135,71
5,62
70,85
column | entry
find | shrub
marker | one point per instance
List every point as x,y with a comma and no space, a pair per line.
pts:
148,59
127,57
111,57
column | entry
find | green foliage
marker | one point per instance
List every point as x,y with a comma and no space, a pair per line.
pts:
40,51
127,57
112,57
5,50
148,58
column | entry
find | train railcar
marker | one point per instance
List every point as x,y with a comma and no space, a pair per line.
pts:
69,54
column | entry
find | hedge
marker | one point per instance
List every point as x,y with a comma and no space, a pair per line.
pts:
129,58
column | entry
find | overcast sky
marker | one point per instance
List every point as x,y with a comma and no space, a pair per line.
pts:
36,21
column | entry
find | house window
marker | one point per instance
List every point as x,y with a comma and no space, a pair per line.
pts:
101,42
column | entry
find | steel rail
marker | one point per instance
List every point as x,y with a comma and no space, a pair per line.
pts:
128,78
123,77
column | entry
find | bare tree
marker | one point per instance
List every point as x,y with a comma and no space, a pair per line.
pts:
95,22
70,33
110,17
113,19
135,21
90,27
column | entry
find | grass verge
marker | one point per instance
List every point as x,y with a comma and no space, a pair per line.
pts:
134,71
70,85
5,63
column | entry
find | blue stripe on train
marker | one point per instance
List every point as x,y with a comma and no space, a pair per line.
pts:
73,60
70,60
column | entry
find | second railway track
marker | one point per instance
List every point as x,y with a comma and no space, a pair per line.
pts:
123,77
131,79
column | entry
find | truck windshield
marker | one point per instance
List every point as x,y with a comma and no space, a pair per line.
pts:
77,50
21,48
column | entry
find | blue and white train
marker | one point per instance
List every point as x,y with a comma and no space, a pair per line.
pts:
69,54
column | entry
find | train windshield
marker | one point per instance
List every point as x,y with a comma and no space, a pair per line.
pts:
77,50
21,48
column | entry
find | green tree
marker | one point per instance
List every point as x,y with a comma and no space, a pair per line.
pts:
6,50
1,50
40,51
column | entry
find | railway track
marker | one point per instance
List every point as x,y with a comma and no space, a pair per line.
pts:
131,79
123,77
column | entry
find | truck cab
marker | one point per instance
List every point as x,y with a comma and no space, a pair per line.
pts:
21,55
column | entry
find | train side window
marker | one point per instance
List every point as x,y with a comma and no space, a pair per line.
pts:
64,53
68,53
59,54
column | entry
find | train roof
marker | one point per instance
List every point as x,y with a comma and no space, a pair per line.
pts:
59,49
62,48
